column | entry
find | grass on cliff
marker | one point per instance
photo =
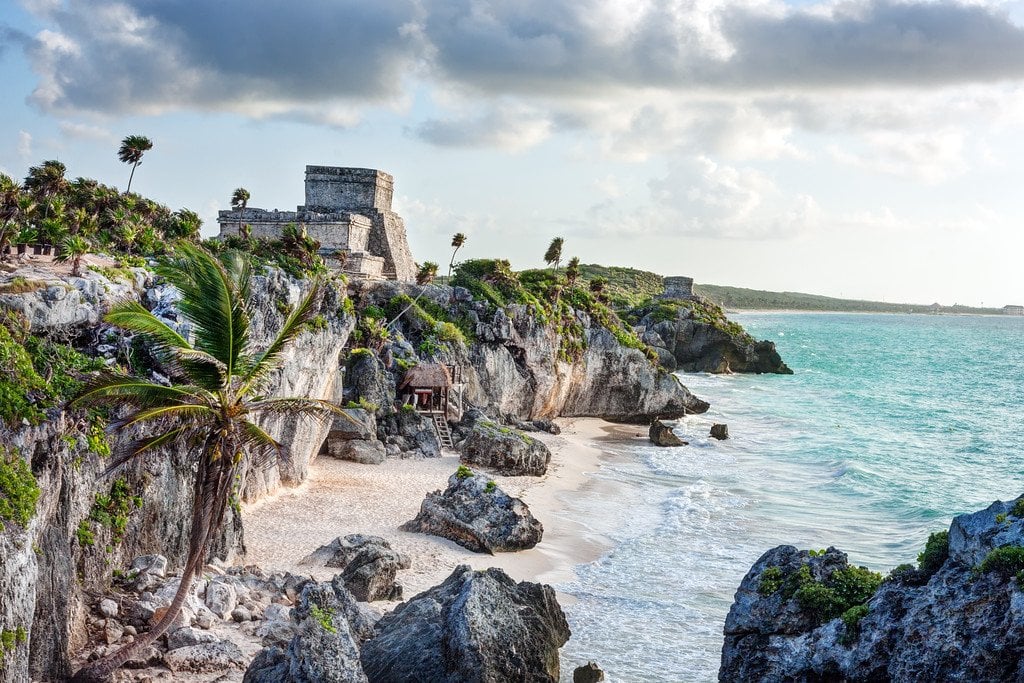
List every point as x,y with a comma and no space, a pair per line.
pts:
704,312
552,300
18,489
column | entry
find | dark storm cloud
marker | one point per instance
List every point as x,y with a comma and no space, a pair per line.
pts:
267,58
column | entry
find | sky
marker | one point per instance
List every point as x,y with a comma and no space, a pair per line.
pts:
858,148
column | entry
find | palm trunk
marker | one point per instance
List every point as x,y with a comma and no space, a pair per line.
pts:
132,175
451,264
212,490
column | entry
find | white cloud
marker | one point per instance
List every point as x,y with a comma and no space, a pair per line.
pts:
930,157
84,131
24,148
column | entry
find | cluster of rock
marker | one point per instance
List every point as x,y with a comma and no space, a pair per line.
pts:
959,617
691,345
476,626
475,513
369,565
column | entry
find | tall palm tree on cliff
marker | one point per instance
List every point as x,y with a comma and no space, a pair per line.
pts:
457,241
211,410
240,200
46,181
553,256
131,151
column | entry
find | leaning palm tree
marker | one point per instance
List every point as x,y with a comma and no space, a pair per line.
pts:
572,271
240,200
131,151
553,256
426,274
211,412
457,241
46,181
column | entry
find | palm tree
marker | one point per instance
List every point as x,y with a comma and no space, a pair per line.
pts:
10,193
46,181
426,273
211,410
572,271
457,241
73,248
240,200
553,256
131,151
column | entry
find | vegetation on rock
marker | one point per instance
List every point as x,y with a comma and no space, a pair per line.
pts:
18,489
935,552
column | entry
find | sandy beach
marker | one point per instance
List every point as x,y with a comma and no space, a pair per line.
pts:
341,498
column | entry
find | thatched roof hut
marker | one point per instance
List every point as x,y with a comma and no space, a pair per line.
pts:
427,376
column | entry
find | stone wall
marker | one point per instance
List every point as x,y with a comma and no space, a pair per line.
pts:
677,287
332,188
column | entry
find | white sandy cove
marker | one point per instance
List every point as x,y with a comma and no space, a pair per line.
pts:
342,498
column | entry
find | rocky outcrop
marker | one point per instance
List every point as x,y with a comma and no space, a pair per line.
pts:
505,450
662,435
405,432
719,431
369,452
50,303
515,369
958,616
325,649
477,626
369,565
695,336
477,515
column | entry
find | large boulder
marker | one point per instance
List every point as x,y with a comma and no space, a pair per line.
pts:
505,450
661,434
329,628
476,627
353,424
370,452
475,513
369,565
411,432
958,617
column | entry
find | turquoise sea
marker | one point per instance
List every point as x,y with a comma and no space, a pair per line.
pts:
891,425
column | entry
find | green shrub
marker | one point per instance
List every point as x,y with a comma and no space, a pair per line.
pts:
374,312
771,581
935,552
1005,561
323,617
851,620
368,406
843,589
1018,508
19,491
491,487
463,472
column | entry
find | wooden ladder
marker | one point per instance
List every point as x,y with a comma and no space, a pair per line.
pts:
444,435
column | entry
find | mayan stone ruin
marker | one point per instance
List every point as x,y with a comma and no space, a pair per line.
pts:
347,210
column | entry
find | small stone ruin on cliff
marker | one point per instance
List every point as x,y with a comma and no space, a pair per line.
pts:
347,210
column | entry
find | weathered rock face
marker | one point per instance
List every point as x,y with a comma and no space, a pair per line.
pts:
73,301
477,515
474,627
47,569
964,622
692,345
505,450
409,432
369,565
661,434
514,369
325,649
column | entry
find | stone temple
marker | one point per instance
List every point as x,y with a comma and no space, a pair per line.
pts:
347,210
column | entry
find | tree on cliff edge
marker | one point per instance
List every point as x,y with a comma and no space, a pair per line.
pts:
131,151
210,410
553,256
457,241
240,200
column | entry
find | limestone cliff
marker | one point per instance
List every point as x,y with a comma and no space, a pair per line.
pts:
957,616
693,335
515,366
84,525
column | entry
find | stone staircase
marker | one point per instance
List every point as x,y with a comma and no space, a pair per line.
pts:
444,434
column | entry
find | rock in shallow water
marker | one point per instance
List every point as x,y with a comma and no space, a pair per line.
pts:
661,434
476,627
478,515
719,431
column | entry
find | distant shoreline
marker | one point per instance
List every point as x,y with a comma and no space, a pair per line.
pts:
743,311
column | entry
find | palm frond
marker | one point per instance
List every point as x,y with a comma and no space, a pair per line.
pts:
186,411
137,392
210,302
268,361
129,450
133,316
297,407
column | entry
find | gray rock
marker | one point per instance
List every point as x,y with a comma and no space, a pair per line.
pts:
188,636
241,614
957,624
478,515
477,626
365,452
505,450
108,608
661,434
719,431
588,673
221,597
367,378
325,647
205,658
369,565
355,424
